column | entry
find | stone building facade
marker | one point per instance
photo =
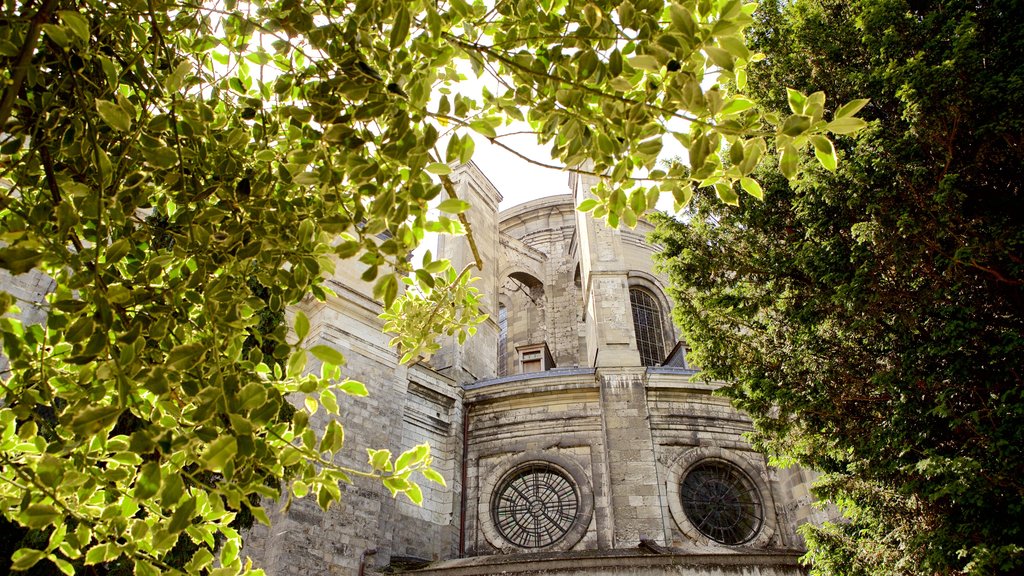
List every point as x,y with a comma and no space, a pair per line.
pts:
572,434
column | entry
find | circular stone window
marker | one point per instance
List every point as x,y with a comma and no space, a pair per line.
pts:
535,506
721,502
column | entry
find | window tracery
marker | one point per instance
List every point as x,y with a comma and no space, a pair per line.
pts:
647,326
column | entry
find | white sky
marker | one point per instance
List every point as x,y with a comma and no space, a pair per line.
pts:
516,179
519,181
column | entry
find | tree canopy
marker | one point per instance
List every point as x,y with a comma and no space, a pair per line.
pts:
872,319
183,171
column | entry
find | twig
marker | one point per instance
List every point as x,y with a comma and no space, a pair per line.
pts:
449,187
51,181
20,68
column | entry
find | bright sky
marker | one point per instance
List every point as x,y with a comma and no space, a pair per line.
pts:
520,181
516,179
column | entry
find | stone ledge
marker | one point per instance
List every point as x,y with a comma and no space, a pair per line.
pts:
553,373
622,561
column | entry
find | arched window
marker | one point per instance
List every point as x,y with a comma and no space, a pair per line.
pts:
502,340
650,334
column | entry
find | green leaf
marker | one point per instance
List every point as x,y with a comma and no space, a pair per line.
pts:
845,125
433,476
182,517
400,27
57,34
252,396
19,260
396,485
797,101
454,149
113,115
727,194
414,494
25,558
386,289
439,168
468,147
174,81
379,459
453,206
353,388
301,325
77,23
185,356
296,363
483,127
621,84
148,482
735,105
587,205
825,152
172,489
682,20
117,250
333,438
160,157
682,193
91,420
752,187
629,217
220,452
328,355
645,62
788,161
615,64
412,457
649,147
329,401
144,568
796,125
437,266
39,515
720,57
100,553
63,565
850,108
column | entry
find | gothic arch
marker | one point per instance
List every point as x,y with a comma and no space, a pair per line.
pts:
657,335
652,284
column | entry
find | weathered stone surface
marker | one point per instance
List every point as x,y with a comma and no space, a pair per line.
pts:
622,434
633,562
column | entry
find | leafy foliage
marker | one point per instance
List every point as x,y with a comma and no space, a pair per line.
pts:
184,171
871,318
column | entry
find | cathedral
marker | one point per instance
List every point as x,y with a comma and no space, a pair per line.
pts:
573,435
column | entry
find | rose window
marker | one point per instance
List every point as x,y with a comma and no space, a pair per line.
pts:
721,502
535,506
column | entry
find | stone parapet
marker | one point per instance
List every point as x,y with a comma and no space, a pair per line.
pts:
632,562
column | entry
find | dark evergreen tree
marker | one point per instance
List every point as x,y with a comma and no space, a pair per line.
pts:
871,320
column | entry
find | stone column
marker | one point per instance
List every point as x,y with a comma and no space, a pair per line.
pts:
636,507
604,276
477,359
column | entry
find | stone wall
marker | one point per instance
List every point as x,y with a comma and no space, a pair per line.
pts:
537,242
433,414
622,435
633,434
634,562
29,291
405,407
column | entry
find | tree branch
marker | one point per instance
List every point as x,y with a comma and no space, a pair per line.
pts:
20,68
